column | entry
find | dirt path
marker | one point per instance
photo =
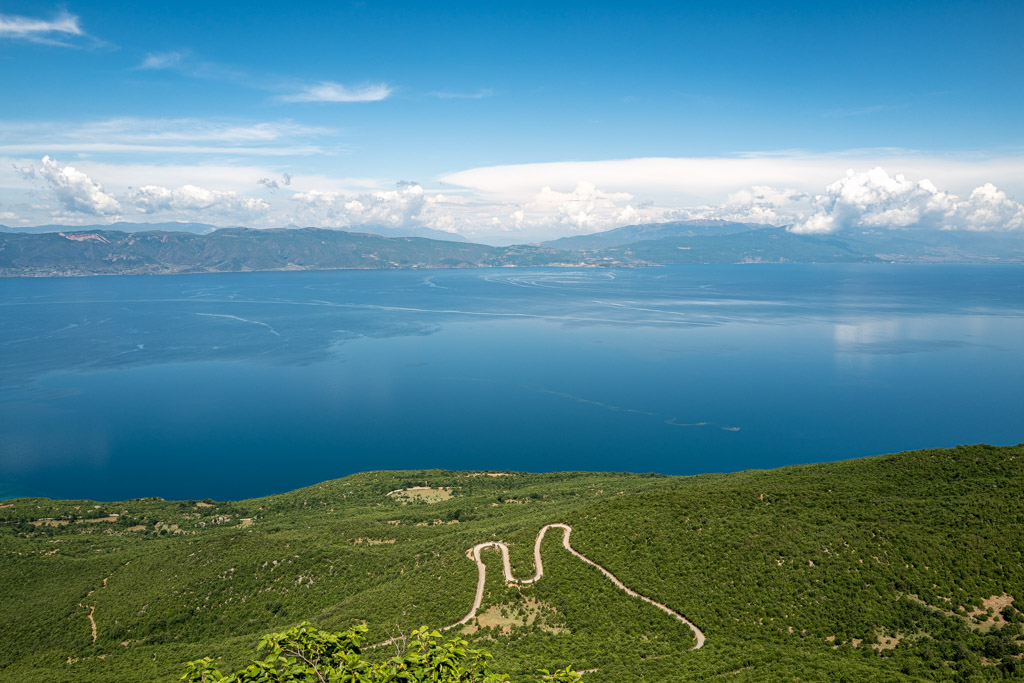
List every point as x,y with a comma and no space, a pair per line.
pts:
474,554
92,609
92,620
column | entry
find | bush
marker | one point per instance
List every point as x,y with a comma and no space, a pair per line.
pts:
305,653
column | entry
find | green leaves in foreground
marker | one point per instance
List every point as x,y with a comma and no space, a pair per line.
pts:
305,653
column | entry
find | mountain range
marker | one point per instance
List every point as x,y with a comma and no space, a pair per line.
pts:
205,229
139,248
110,252
715,241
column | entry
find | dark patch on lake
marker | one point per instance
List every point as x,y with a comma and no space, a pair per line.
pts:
239,385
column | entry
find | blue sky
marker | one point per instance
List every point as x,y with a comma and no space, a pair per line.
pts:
741,110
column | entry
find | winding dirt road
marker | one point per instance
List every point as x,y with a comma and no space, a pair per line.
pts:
474,554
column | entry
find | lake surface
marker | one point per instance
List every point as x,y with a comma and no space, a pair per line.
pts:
238,385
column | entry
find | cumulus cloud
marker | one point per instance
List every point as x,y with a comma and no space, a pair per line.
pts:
529,209
759,204
327,91
585,209
874,199
75,190
865,200
190,198
990,209
401,207
695,181
50,31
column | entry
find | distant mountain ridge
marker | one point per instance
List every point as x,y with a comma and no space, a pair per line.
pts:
196,228
713,241
649,231
413,231
205,229
763,245
110,252
80,251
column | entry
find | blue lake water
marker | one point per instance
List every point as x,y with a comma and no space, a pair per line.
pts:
237,385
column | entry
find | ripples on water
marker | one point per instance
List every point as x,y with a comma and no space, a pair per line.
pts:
206,385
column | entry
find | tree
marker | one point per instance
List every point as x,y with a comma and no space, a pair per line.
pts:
566,675
305,653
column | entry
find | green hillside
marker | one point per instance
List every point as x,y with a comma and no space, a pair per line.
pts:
898,567
29,253
111,252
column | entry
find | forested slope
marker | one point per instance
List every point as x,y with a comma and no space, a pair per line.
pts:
110,252
900,567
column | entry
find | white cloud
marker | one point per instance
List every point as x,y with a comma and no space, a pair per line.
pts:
871,199
161,60
76,191
548,213
327,91
185,63
781,189
585,209
190,198
874,199
198,130
198,150
989,209
760,204
696,181
40,30
164,136
542,201
401,207
118,178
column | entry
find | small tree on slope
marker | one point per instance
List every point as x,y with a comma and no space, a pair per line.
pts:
306,654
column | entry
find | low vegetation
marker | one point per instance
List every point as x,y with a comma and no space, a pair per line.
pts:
306,654
899,567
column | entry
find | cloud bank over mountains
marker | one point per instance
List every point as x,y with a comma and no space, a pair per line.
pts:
477,205
874,199
401,207
152,199
76,193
